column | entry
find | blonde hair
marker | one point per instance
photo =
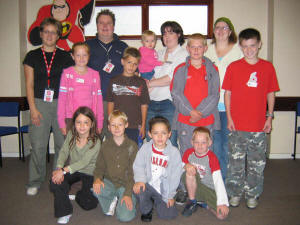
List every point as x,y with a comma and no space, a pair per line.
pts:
201,130
197,36
148,33
133,52
83,44
118,114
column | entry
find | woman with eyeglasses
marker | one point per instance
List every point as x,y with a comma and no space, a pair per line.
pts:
223,50
43,68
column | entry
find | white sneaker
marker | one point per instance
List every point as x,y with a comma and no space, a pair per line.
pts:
235,201
252,203
72,197
112,207
64,219
32,191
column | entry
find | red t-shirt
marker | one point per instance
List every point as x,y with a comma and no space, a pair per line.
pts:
249,86
196,89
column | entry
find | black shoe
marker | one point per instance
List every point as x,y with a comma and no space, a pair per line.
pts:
181,197
147,217
189,208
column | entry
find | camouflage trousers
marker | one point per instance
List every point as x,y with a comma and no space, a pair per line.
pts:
246,163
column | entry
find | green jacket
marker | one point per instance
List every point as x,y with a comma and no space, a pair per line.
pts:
115,163
82,160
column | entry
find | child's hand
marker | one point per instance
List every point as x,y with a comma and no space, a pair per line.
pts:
268,125
97,186
222,211
190,169
58,176
63,131
128,202
142,132
195,116
137,187
170,203
230,125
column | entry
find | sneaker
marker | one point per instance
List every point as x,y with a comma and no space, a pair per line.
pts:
235,201
112,207
189,208
181,197
64,219
202,204
252,203
72,197
147,217
32,191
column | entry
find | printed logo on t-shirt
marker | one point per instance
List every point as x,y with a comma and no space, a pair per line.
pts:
126,90
252,82
201,170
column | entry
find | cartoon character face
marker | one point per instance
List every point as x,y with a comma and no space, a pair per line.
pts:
60,10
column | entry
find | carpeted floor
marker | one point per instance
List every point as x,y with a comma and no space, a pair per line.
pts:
279,204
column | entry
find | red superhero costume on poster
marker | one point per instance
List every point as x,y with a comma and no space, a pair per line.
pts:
73,15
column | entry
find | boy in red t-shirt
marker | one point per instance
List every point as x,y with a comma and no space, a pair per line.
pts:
195,92
250,83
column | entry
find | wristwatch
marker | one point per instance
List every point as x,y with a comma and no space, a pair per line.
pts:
65,172
270,115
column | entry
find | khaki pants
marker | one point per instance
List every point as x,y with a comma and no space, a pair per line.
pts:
39,137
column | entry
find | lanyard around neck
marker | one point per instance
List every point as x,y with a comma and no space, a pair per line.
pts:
106,50
48,67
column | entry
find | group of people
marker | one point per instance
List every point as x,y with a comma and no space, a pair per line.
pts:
212,100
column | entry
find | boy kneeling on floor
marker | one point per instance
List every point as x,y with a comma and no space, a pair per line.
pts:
203,177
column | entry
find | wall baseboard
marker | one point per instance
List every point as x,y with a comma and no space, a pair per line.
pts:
271,156
283,156
16,154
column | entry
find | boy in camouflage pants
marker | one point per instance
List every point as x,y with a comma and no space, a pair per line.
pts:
249,84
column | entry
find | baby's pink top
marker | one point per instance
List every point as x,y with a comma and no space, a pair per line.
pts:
149,59
79,90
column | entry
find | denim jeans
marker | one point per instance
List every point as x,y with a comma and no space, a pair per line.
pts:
105,198
163,108
147,75
220,144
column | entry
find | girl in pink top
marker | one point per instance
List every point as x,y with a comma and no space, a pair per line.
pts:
148,55
79,86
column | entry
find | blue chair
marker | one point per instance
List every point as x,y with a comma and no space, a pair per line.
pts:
9,109
297,129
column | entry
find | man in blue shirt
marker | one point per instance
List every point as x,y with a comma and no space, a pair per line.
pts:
106,53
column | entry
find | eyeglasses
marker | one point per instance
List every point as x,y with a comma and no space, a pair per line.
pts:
47,32
59,6
222,28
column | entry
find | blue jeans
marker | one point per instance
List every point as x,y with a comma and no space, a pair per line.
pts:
220,144
163,108
147,75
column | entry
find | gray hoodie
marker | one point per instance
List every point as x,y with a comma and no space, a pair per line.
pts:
170,179
208,106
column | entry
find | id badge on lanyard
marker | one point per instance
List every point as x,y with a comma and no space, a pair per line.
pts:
49,93
109,66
